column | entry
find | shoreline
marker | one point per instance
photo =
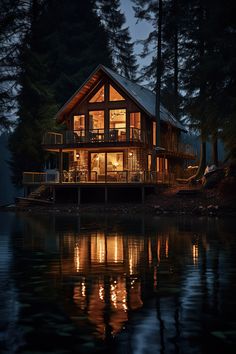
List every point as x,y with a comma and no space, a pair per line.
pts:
128,209
203,202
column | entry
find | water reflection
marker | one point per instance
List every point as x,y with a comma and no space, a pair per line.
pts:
156,285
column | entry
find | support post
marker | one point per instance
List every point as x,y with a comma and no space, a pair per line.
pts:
53,195
79,195
105,195
60,165
143,194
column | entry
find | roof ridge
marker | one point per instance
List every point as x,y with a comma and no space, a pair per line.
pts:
125,78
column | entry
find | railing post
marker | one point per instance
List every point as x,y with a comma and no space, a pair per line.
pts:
60,165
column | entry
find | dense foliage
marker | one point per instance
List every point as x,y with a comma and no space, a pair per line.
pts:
61,46
198,73
120,44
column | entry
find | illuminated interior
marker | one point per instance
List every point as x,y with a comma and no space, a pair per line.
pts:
99,96
162,164
114,95
113,161
135,125
154,132
117,124
79,125
98,163
96,125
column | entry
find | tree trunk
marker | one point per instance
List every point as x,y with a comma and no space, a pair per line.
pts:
158,87
214,146
202,160
176,61
158,75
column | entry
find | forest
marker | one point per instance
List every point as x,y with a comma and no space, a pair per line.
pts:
49,47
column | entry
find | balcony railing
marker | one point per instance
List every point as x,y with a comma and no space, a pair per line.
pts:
93,177
179,148
70,137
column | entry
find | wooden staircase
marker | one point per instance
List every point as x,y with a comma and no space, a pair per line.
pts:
35,197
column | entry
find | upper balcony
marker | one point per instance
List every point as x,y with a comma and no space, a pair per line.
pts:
80,137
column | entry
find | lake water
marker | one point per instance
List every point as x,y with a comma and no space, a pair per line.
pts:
108,284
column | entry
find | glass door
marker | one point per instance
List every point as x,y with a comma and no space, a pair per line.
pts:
98,170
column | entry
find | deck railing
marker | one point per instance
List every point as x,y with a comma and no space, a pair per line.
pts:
85,176
70,137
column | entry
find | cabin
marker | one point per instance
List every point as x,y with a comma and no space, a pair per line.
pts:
106,143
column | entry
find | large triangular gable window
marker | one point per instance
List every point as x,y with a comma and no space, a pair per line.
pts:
99,96
114,95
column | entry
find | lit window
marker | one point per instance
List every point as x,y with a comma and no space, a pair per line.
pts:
135,125
166,165
115,161
79,122
99,96
149,162
79,125
117,124
158,164
114,95
96,125
154,132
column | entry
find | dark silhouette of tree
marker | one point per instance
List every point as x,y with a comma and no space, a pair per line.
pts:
120,44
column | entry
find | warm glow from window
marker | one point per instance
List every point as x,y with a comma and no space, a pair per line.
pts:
115,161
149,162
166,165
154,132
96,120
158,164
117,124
99,96
79,122
114,95
195,253
98,248
135,125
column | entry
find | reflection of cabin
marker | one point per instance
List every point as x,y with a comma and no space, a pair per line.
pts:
109,135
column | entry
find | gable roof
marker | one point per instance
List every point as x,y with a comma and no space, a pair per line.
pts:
143,97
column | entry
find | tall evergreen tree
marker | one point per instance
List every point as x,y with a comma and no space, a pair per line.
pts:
12,30
75,43
170,51
65,42
36,105
120,44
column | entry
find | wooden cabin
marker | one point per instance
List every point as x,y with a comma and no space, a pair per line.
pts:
108,135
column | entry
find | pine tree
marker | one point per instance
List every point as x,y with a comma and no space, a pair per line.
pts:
120,44
170,51
65,42
76,43
36,105
12,30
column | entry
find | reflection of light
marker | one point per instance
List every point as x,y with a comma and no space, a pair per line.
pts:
101,292
83,290
98,247
80,295
158,250
113,296
131,265
155,277
149,251
116,250
118,295
76,258
195,253
134,252
167,247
